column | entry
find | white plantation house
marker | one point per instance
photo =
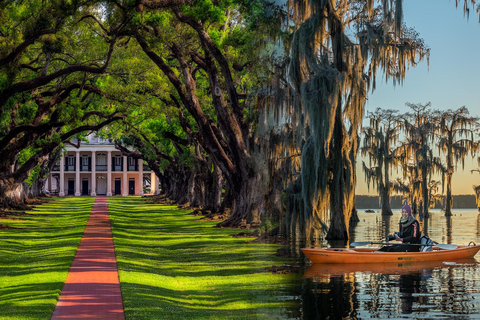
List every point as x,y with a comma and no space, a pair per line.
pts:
97,168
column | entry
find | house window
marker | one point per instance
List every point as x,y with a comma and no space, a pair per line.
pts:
117,163
70,165
132,164
85,163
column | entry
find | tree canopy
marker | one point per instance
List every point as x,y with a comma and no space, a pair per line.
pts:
241,107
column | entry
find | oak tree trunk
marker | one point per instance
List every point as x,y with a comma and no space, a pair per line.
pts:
213,190
12,194
196,189
248,202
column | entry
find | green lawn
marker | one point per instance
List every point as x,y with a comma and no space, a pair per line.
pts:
173,266
36,256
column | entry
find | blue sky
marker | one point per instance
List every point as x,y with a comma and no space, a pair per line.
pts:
450,81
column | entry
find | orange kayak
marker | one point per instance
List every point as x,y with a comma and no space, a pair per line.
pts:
367,255
320,270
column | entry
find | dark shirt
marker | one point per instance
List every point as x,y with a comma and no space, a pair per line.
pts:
410,232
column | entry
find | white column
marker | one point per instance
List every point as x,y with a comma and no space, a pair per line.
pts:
77,174
140,177
45,185
124,178
50,182
93,192
109,173
154,183
61,193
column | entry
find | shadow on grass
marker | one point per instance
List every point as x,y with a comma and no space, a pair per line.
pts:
227,302
174,266
34,260
29,301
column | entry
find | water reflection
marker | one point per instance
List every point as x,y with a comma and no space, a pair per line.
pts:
387,291
433,290
386,222
323,270
449,229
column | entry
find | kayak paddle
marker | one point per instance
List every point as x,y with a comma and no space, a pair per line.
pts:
441,246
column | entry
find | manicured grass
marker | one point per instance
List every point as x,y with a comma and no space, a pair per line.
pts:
173,266
36,257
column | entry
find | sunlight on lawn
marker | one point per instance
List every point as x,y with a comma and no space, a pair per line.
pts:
173,266
35,256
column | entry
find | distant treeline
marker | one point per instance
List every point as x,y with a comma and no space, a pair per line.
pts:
462,201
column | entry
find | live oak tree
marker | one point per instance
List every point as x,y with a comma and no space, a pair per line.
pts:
187,174
153,126
200,60
206,72
162,132
48,91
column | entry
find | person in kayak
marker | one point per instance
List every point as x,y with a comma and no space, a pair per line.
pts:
409,233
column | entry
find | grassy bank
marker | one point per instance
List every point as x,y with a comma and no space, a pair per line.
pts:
173,266
36,254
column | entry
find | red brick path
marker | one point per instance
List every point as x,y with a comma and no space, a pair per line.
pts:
92,289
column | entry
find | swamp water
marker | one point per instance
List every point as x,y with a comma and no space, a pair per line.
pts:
440,290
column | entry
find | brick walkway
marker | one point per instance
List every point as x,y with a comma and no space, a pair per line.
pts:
92,289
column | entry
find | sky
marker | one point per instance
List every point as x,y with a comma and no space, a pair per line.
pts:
449,81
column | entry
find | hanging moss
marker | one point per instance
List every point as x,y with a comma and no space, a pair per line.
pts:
330,72
379,142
